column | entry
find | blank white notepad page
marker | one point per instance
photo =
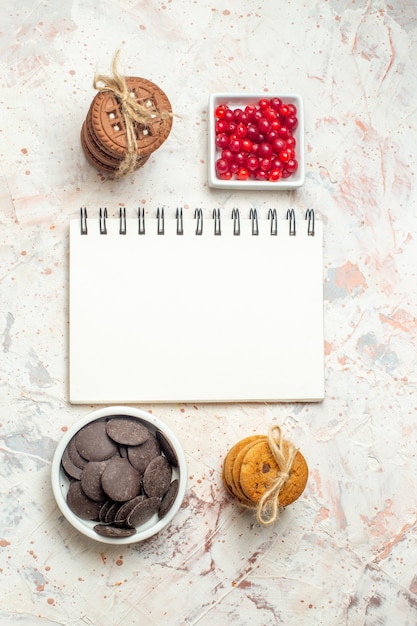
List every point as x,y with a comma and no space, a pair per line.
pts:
202,318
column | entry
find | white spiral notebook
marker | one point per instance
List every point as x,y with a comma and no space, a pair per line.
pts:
209,308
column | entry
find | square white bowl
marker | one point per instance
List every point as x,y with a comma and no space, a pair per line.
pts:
241,100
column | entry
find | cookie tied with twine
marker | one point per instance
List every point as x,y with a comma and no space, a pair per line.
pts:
128,120
265,473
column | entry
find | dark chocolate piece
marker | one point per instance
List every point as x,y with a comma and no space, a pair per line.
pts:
127,431
93,442
80,504
120,480
157,477
169,498
114,531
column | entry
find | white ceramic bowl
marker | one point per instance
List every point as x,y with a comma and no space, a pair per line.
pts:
240,101
60,480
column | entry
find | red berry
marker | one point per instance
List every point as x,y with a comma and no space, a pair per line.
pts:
228,115
226,176
276,103
261,175
270,114
241,130
275,124
283,110
247,144
256,116
264,125
242,173
265,165
227,154
292,166
263,103
276,164
222,166
274,175
265,150
284,132
292,108
250,108
240,159
252,163
278,144
252,132
222,140
284,156
291,122
236,114
221,126
231,127
235,145
290,142
220,111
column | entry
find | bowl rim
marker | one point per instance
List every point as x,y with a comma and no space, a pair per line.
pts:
248,185
86,526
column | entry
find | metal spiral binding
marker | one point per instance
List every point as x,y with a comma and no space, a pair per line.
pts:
83,221
272,215
122,221
310,222
217,224
103,222
253,215
141,221
236,221
161,221
291,218
180,224
198,214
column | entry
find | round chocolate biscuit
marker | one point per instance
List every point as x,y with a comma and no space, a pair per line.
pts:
109,126
96,150
120,480
157,477
92,159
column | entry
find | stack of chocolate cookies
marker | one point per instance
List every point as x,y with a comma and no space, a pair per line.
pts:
103,135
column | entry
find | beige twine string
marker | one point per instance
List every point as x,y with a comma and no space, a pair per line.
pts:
267,510
132,111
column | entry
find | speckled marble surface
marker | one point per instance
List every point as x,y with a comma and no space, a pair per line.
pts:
345,553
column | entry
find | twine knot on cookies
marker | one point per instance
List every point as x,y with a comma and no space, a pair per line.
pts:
133,112
284,452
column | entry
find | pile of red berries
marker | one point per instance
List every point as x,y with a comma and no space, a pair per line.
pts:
256,142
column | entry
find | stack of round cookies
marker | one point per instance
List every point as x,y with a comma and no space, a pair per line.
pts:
265,473
104,136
